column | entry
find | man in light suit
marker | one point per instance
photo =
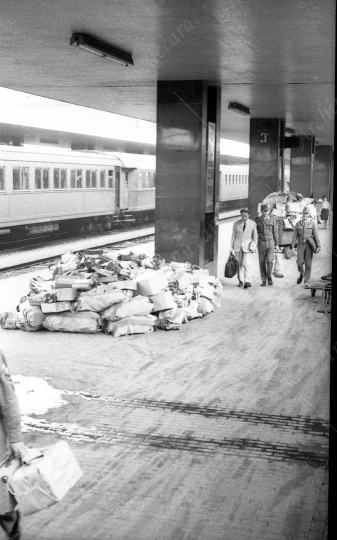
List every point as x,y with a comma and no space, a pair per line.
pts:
244,233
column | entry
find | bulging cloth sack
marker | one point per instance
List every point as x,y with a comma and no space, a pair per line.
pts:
279,266
231,266
130,307
46,480
9,320
130,325
86,322
33,319
205,306
99,302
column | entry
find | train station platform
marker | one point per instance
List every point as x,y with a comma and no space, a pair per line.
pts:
218,431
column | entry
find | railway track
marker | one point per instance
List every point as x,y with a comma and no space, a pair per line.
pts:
45,261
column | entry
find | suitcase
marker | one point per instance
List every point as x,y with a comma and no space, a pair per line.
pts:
7,468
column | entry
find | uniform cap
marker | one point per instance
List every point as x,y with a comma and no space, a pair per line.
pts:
305,210
264,207
244,210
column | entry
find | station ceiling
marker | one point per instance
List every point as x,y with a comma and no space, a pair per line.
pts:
275,57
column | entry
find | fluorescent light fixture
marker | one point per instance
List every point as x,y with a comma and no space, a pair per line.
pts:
290,131
241,109
92,46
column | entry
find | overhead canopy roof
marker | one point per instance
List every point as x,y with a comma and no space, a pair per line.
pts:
277,58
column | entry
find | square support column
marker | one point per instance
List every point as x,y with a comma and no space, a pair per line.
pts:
323,162
265,165
187,175
302,162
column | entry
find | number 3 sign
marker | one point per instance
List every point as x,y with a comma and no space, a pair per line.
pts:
264,137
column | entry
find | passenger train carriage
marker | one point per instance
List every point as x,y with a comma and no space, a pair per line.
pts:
51,190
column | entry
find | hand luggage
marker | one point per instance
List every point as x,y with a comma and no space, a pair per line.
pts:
312,244
7,468
231,266
46,479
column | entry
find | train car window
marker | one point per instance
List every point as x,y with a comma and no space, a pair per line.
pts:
226,179
25,178
94,179
88,179
229,179
2,178
76,178
38,178
20,178
45,178
63,178
246,179
147,180
154,179
102,177
56,178
111,179
72,178
79,178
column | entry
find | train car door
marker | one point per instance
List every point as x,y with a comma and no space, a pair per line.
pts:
126,191
118,187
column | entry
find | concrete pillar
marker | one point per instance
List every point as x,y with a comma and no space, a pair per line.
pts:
188,161
323,159
302,166
265,166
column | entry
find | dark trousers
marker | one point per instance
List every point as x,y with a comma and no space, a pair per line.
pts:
304,260
10,524
266,257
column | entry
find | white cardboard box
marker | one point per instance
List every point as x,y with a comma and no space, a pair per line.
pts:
163,300
150,283
66,294
55,307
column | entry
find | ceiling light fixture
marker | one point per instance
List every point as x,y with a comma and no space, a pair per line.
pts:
241,109
100,49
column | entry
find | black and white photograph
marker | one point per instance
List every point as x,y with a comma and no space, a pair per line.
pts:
167,359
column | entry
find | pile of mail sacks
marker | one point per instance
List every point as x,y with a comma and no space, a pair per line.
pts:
93,291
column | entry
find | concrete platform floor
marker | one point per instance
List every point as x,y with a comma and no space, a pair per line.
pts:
218,431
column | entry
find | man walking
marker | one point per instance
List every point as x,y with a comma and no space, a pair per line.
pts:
244,233
268,238
305,232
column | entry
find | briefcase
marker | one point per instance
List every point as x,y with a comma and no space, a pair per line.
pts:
46,479
7,468
312,244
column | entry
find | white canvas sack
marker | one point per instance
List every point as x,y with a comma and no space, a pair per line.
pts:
46,479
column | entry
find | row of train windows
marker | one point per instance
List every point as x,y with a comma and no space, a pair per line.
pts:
146,180
43,178
231,179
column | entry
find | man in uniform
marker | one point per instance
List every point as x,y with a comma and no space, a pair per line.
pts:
244,238
304,229
268,238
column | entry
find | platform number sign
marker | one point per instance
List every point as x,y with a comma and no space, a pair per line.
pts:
264,137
